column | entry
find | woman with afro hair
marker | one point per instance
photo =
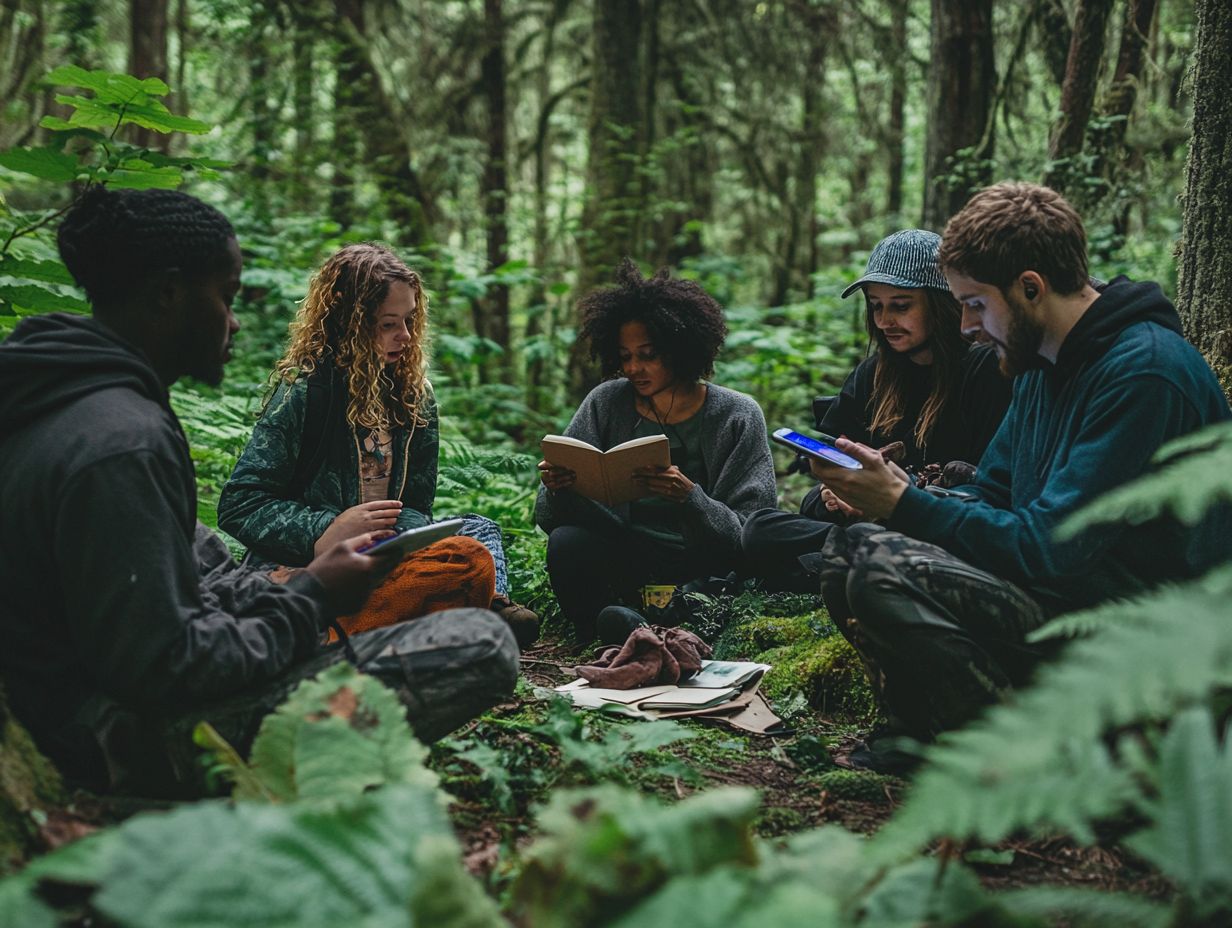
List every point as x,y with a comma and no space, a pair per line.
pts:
366,458
656,340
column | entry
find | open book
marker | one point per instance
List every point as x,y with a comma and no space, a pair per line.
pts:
607,476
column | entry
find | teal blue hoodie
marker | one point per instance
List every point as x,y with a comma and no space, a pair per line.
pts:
1125,383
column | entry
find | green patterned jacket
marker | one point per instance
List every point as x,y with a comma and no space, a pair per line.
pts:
254,507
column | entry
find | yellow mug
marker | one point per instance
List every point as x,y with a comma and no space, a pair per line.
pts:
659,595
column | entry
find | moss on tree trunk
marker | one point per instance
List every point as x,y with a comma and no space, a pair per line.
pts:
1204,271
29,784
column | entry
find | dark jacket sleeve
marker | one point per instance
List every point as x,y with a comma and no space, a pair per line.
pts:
1120,432
253,506
141,617
423,456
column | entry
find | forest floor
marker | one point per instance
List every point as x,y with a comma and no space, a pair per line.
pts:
503,765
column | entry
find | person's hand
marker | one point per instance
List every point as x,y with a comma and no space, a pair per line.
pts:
366,517
667,482
875,489
834,504
555,477
347,575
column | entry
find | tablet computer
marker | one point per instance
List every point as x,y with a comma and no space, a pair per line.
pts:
413,538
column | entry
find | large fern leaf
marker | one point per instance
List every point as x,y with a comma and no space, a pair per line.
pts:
1040,760
1190,838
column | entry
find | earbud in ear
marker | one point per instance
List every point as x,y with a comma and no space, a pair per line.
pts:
1029,291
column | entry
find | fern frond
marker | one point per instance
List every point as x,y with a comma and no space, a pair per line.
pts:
1039,762
1196,475
1190,838
1087,621
1086,908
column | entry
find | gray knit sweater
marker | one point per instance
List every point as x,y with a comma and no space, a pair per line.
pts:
735,449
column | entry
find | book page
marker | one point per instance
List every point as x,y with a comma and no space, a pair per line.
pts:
584,460
621,461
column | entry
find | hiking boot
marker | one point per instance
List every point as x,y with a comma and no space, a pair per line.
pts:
887,749
522,621
615,624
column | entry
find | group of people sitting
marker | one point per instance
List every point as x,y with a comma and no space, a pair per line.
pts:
128,621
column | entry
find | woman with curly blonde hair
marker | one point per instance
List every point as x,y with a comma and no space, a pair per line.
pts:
348,442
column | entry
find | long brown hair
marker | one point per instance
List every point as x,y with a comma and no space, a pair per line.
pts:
942,315
337,321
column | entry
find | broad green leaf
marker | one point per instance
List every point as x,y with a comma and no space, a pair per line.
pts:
47,163
108,86
603,848
924,892
139,174
733,897
370,864
335,737
52,272
34,298
19,906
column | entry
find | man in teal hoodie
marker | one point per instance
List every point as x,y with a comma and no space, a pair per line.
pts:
946,589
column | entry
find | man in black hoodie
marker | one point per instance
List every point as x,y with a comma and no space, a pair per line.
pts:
946,593
124,619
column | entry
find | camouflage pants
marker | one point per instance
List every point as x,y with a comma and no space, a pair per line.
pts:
941,639
446,667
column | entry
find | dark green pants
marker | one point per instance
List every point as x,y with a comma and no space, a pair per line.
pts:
941,639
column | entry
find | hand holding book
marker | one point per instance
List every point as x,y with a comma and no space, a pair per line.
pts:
667,482
610,477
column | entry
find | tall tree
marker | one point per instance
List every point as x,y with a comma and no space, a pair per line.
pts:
23,31
961,84
1204,267
492,313
147,53
898,101
1086,51
614,129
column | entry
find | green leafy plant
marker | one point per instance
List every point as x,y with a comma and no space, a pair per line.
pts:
86,149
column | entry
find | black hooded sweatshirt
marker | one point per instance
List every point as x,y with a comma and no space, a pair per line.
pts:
119,610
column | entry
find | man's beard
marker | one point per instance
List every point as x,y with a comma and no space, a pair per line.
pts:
1020,350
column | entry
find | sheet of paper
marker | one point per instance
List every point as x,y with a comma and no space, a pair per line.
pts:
725,673
625,697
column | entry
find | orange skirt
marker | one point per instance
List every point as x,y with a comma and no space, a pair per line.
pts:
454,573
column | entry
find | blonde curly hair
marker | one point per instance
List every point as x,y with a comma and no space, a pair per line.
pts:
336,324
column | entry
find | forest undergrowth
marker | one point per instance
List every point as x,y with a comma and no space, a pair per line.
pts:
1101,795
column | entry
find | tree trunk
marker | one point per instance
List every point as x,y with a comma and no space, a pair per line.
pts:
1055,34
303,60
1107,144
492,312
260,116
147,55
344,156
29,785
1086,51
898,98
961,84
1204,267
79,24
614,131
23,31
386,152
